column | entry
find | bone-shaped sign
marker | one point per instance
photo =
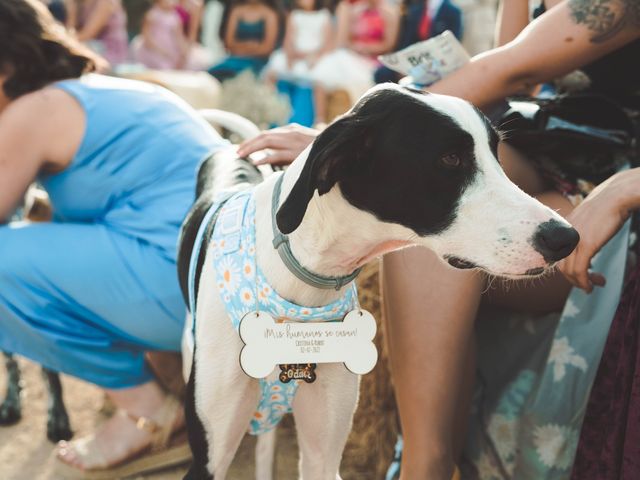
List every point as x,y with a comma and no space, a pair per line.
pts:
268,343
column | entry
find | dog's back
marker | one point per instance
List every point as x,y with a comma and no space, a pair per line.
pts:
222,172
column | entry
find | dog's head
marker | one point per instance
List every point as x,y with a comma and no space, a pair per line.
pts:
426,166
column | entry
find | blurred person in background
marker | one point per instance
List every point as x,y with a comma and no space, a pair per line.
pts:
90,292
250,33
420,21
102,25
365,29
190,12
191,15
212,19
163,43
166,39
308,37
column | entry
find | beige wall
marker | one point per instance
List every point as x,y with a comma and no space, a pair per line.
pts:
479,18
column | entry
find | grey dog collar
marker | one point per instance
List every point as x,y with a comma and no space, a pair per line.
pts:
281,243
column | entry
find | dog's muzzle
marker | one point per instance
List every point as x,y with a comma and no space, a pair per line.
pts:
554,240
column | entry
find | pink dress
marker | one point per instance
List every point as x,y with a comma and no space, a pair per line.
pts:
163,25
112,42
368,25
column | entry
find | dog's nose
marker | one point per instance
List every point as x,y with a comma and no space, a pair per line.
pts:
554,241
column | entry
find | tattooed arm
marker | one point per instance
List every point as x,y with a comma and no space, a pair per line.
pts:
570,35
606,18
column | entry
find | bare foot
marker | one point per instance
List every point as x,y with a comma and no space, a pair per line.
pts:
126,433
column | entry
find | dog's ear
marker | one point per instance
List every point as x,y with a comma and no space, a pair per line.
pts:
334,154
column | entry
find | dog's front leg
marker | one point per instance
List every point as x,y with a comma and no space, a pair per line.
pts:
221,398
224,401
10,411
323,412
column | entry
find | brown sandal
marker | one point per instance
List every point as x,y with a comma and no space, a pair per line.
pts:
168,448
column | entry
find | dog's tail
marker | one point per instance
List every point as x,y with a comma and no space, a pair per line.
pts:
232,122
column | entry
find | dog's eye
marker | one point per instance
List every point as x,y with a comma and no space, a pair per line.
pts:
451,160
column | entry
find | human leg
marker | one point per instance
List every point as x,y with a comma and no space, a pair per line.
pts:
80,301
319,104
142,412
429,311
83,301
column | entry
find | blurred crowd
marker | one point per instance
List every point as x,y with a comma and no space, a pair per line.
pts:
322,45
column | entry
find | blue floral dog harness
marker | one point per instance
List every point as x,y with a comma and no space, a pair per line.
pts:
233,246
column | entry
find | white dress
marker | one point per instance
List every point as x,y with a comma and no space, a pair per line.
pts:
344,69
310,32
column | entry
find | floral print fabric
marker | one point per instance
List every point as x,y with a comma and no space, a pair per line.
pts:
534,379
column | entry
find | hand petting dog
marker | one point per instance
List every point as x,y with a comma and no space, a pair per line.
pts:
285,144
597,219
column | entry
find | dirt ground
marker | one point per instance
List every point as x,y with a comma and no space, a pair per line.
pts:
26,454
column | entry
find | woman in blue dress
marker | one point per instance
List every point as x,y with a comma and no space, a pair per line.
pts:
250,35
90,292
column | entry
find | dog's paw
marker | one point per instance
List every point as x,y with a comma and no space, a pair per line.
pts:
198,473
58,428
10,412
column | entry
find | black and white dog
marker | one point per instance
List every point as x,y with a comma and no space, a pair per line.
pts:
58,425
401,168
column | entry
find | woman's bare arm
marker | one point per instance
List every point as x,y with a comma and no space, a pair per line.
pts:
97,21
343,22
195,21
39,131
230,32
287,44
565,38
72,14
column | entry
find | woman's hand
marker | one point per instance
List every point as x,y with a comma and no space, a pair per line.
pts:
285,144
597,219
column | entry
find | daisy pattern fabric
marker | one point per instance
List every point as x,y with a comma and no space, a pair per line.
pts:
233,249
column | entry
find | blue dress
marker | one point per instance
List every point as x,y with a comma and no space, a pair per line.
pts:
233,64
88,293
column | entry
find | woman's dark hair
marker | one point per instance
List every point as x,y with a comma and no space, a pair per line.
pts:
35,50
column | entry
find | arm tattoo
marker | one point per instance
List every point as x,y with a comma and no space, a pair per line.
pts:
605,18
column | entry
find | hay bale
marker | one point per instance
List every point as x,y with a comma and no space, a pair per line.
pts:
373,436
253,99
338,102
